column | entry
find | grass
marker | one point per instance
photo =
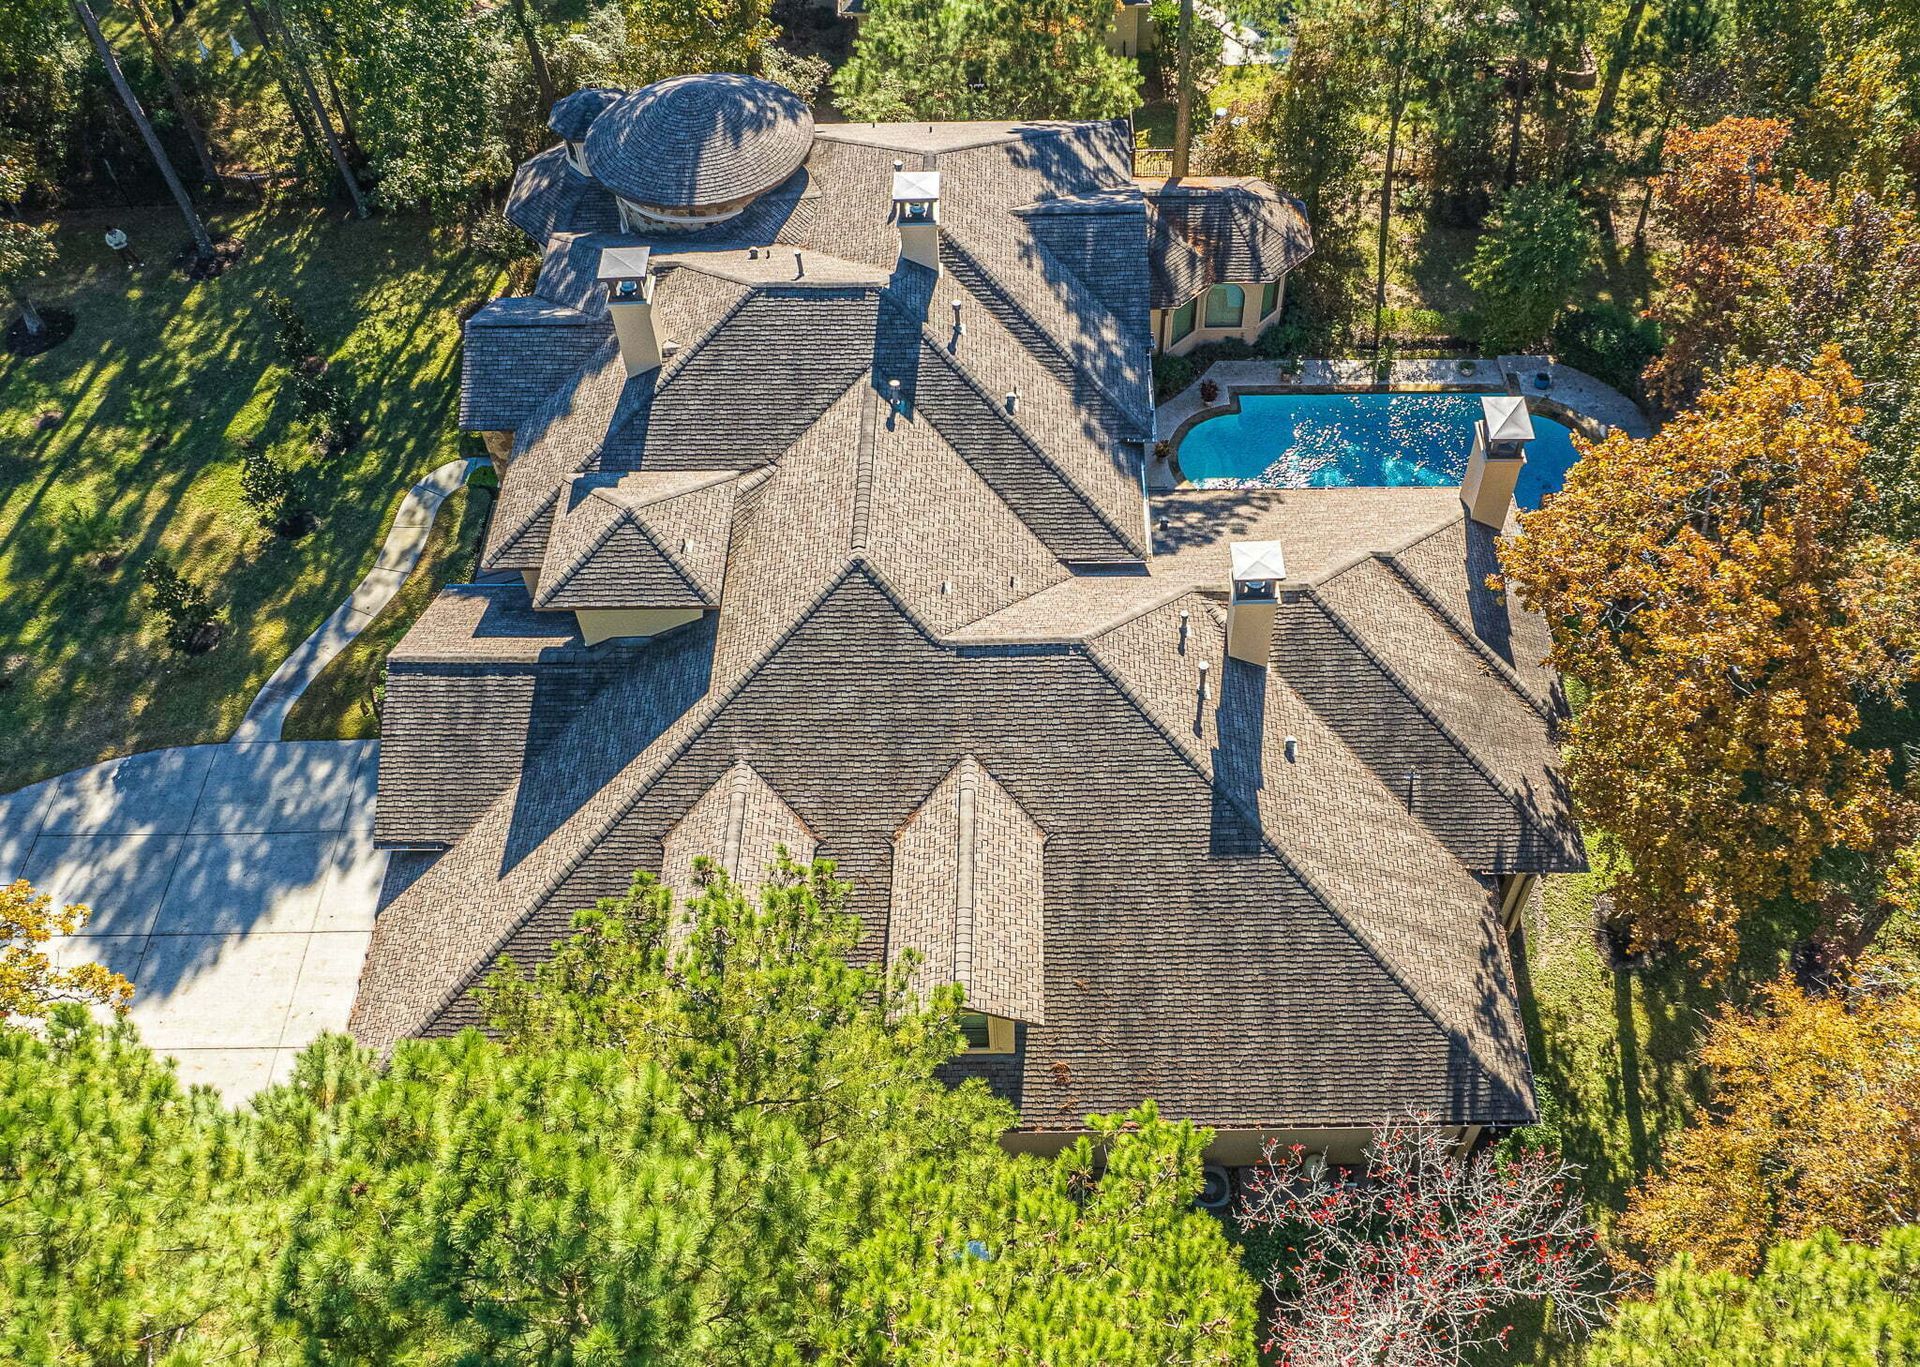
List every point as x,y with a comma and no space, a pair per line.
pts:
339,704
159,381
1615,1052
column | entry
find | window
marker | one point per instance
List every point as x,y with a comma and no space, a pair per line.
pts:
986,1034
1225,304
1269,298
975,1029
1182,322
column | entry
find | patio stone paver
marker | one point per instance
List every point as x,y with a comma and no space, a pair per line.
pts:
235,886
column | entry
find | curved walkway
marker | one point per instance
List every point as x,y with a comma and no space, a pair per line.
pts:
235,885
400,553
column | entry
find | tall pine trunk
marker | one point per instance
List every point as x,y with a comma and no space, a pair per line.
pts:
294,106
541,76
298,60
1617,69
151,31
1397,106
28,313
202,244
1183,115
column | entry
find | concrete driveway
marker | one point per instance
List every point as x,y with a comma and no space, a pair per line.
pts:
235,885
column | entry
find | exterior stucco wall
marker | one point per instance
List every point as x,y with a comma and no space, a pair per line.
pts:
603,624
1249,328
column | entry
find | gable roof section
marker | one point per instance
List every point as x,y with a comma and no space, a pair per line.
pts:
969,897
1153,934
656,539
741,824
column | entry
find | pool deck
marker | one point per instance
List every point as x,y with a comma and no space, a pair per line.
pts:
1574,395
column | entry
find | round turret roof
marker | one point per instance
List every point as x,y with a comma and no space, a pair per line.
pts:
693,142
572,115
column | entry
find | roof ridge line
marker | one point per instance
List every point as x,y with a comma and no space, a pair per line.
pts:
695,721
1502,670
1420,705
1272,847
559,581
932,344
948,241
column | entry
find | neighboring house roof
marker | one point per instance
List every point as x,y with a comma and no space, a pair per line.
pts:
1212,230
957,651
698,141
572,115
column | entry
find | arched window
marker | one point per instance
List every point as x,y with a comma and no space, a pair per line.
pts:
1225,304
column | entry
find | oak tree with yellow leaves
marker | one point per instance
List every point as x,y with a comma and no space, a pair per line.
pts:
30,984
1815,1124
1715,589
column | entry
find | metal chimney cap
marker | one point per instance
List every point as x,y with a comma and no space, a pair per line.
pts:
914,186
624,263
1506,417
1258,560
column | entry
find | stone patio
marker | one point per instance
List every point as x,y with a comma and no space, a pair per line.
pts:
235,885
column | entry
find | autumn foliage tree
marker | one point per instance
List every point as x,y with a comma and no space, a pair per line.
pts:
30,984
1409,1263
1715,589
1814,1124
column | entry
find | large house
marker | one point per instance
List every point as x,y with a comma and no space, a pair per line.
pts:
823,523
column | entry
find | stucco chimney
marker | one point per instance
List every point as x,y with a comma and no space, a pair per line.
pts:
916,209
628,277
1499,454
1258,568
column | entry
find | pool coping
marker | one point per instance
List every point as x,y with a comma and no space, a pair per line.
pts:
1319,376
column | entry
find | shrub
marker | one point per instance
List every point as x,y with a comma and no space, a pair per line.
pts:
1610,343
89,535
1209,391
189,613
292,338
273,492
1171,374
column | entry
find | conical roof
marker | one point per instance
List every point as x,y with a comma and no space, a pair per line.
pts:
695,142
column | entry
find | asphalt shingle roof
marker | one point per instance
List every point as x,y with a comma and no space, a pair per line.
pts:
1208,231
697,141
925,584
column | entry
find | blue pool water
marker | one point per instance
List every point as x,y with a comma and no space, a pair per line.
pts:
1307,441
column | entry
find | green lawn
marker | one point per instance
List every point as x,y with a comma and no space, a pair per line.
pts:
340,703
1614,1053
139,411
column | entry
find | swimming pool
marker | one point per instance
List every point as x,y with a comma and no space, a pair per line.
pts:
1306,441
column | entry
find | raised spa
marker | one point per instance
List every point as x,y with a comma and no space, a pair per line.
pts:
1303,441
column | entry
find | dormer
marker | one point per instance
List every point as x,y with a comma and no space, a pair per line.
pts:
968,899
916,211
627,276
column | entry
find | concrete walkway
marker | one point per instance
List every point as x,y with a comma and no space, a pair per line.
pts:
235,885
401,552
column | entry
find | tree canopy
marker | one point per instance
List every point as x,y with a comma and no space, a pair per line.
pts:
986,59
697,1133
1526,266
1814,1123
1814,1300
1717,590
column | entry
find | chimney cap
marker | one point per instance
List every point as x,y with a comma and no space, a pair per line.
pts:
1258,561
624,263
1507,417
914,186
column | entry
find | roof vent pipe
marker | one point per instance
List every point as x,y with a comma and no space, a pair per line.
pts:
1203,680
799,264
1293,749
1186,629
1013,399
